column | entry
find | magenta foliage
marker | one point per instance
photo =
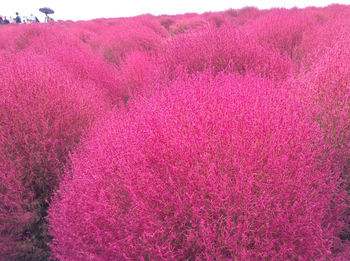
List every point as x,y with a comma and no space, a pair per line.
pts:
224,168
217,19
281,29
72,55
16,212
83,65
316,43
226,48
234,144
43,113
139,73
326,86
118,39
189,23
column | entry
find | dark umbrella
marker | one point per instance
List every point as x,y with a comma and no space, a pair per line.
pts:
46,10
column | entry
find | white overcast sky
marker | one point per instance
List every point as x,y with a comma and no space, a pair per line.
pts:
90,9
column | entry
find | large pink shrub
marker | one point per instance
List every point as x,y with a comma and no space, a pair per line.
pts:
207,169
38,37
225,48
325,87
122,36
85,66
217,18
188,23
138,75
244,15
43,113
71,54
281,30
317,42
82,48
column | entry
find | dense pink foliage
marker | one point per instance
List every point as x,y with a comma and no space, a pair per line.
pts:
284,38
77,59
215,136
16,212
138,72
226,168
226,48
43,113
116,38
326,89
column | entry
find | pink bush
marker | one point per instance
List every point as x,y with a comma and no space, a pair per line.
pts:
242,16
139,73
315,44
72,55
123,36
43,113
73,49
299,33
85,66
39,37
224,168
324,86
16,213
225,48
217,19
281,29
326,89
188,24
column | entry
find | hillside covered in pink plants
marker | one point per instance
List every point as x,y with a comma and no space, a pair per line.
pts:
215,136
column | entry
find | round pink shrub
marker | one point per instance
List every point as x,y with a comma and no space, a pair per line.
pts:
280,29
138,75
245,14
188,24
39,37
216,18
222,49
126,35
208,169
43,113
318,41
61,46
152,22
85,66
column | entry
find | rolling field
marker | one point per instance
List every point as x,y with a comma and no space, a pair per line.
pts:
215,136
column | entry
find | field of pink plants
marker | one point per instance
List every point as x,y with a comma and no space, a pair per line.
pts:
219,136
